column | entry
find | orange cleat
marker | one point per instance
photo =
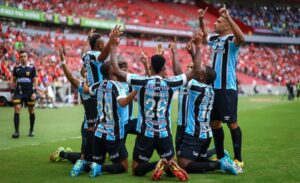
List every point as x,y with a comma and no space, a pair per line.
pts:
177,171
159,169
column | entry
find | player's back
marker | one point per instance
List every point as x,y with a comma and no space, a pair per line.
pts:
92,66
112,116
154,99
200,103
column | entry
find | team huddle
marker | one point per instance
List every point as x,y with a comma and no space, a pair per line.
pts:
207,97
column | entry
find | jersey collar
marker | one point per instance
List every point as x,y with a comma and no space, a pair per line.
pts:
156,76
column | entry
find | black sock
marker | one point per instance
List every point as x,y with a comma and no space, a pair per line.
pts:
70,156
211,152
201,167
236,135
17,122
144,168
114,168
32,119
219,142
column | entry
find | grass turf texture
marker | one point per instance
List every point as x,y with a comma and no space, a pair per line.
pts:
271,149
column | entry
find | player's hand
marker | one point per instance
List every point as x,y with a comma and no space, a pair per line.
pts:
197,37
189,47
159,49
33,96
201,13
173,46
61,51
143,58
224,13
115,35
91,32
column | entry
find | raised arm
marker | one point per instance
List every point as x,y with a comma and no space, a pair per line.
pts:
177,70
144,60
190,49
115,33
74,82
197,40
201,13
87,44
125,101
239,36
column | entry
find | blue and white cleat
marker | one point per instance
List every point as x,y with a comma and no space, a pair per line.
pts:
95,170
77,169
227,165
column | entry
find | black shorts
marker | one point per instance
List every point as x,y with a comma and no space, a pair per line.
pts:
20,98
145,146
193,148
179,136
225,106
116,150
130,127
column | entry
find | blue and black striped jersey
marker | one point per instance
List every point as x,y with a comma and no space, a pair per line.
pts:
154,99
224,60
90,107
112,116
92,66
200,103
129,107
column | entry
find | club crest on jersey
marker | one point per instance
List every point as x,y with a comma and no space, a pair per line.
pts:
27,73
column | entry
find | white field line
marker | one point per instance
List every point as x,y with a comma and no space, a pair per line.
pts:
36,144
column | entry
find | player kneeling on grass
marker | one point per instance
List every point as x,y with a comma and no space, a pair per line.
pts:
192,150
110,129
87,128
154,99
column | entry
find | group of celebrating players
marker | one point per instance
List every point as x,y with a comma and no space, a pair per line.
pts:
207,96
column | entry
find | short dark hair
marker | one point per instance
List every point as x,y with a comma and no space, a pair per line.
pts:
22,51
105,70
93,40
122,63
157,63
210,75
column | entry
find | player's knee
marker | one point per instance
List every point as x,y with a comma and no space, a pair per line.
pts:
17,109
216,125
31,110
233,125
182,162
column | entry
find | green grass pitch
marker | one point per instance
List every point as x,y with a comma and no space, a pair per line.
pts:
271,145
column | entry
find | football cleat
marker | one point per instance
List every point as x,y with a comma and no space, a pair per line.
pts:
15,135
31,133
77,169
239,163
159,169
68,149
54,157
178,171
95,170
227,165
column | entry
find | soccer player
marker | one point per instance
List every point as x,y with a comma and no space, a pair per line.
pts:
24,82
87,129
93,59
110,130
154,99
225,46
183,92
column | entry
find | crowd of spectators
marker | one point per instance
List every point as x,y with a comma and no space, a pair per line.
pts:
278,18
276,65
142,12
